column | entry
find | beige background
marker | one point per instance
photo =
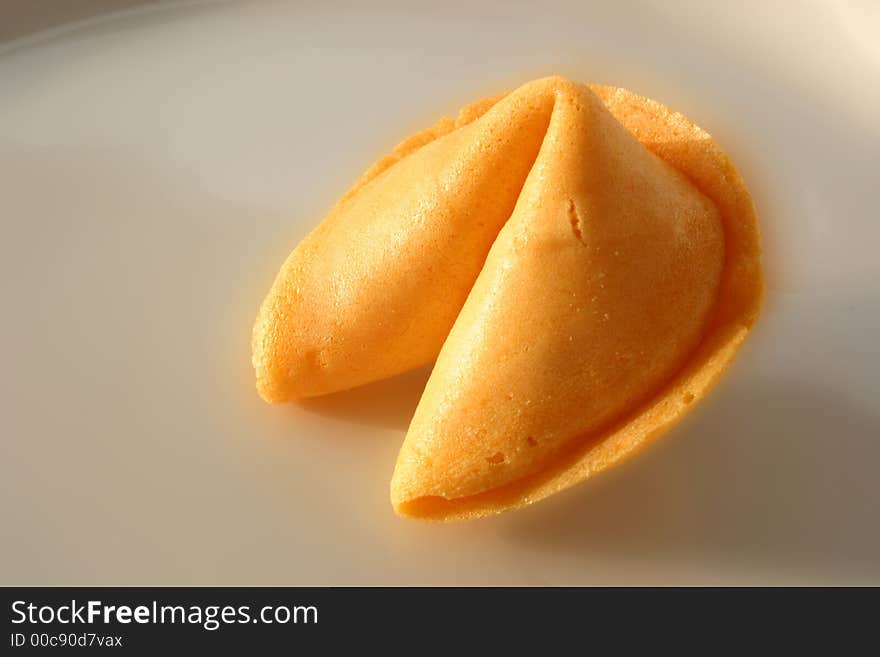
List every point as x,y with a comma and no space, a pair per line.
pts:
156,168
19,18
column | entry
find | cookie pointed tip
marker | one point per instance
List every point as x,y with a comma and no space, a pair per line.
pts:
270,393
429,508
273,381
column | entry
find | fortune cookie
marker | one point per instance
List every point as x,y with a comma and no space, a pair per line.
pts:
580,263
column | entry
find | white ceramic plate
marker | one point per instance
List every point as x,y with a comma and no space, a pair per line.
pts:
157,166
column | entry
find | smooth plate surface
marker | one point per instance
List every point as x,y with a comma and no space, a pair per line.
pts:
157,166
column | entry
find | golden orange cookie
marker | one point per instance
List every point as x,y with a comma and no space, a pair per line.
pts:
375,288
582,263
